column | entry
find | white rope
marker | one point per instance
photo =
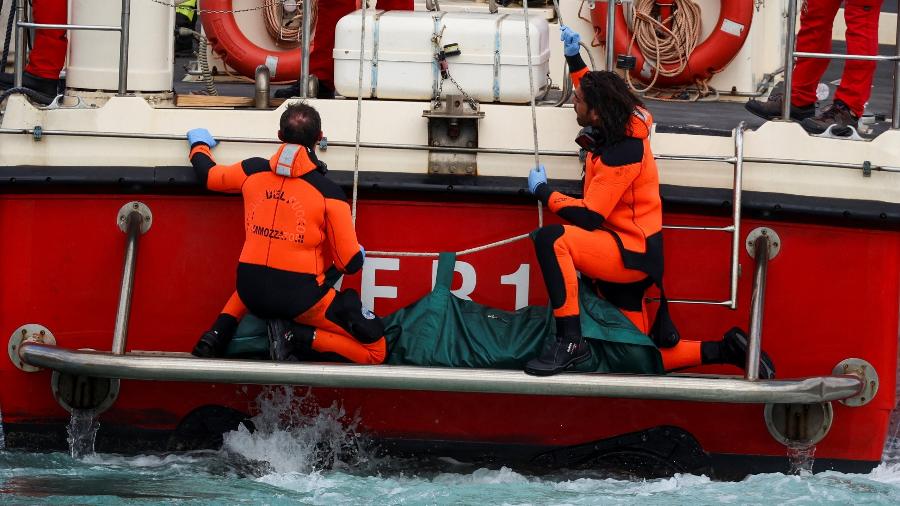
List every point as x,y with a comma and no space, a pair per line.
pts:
537,156
458,253
673,48
362,48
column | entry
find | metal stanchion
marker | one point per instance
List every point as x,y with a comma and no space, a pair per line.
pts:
895,110
305,45
20,44
134,220
123,48
790,40
757,306
611,35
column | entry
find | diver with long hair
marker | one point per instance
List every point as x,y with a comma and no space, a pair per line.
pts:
614,235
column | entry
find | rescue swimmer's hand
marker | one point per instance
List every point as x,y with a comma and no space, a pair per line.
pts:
201,135
536,177
571,40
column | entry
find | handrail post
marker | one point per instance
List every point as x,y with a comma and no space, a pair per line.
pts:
895,110
123,47
789,44
305,45
737,202
611,35
134,220
757,305
20,44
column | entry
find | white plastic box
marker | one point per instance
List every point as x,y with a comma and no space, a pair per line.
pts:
399,55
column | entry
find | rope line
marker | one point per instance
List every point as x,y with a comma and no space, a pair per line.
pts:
362,47
468,251
537,156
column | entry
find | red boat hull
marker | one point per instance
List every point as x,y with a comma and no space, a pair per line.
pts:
832,294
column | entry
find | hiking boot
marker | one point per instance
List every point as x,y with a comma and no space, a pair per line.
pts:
568,349
733,347
837,114
771,108
289,341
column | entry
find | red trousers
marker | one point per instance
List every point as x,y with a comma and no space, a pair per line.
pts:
48,55
816,23
321,59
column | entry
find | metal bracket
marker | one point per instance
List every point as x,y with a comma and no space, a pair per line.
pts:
867,169
453,124
867,374
37,133
127,209
32,333
774,241
799,424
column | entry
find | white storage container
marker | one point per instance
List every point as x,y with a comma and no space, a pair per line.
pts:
399,55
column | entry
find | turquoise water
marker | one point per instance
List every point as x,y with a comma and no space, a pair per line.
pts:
297,458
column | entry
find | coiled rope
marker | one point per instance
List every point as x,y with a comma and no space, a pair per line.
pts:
288,32
671,46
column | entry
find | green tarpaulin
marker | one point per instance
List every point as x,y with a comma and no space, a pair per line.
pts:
443,330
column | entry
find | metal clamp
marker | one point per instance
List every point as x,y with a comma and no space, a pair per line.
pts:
771,235
28,333
140,208
867,374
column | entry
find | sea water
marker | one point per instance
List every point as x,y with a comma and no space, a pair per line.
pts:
303,456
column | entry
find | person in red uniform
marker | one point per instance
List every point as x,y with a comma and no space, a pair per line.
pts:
816,21
321,56
48,55
297,225
614,235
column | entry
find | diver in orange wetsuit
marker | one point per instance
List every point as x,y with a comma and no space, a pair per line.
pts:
615,235
297,224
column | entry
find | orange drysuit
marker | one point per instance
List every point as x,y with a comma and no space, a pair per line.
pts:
297,224
615,236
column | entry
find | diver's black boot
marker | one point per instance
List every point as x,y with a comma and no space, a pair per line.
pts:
214,341
289,341
732,349
569,348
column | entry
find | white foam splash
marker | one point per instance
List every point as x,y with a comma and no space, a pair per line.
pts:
294,435
2,435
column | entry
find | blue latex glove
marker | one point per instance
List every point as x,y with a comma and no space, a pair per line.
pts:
570,39
363,251
201,135
536,177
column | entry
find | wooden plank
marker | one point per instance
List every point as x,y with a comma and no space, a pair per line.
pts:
219,101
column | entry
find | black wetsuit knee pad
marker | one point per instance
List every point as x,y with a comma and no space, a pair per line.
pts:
347,312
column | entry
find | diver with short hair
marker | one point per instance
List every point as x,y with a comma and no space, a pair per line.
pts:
297,225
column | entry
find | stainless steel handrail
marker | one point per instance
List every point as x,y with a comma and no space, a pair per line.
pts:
757,308
133,224
179,367
21,25
305,48
611,35
423,147
790,53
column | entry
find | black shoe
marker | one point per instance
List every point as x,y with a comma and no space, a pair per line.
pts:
837,114
210,345
289,341
559,356
771,108
47,89
568,349
325,90
734,351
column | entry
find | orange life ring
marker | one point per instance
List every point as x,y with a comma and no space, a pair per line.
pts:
709,57
238,51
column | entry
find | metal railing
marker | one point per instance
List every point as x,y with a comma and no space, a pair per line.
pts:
790,53
21,26
734,229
